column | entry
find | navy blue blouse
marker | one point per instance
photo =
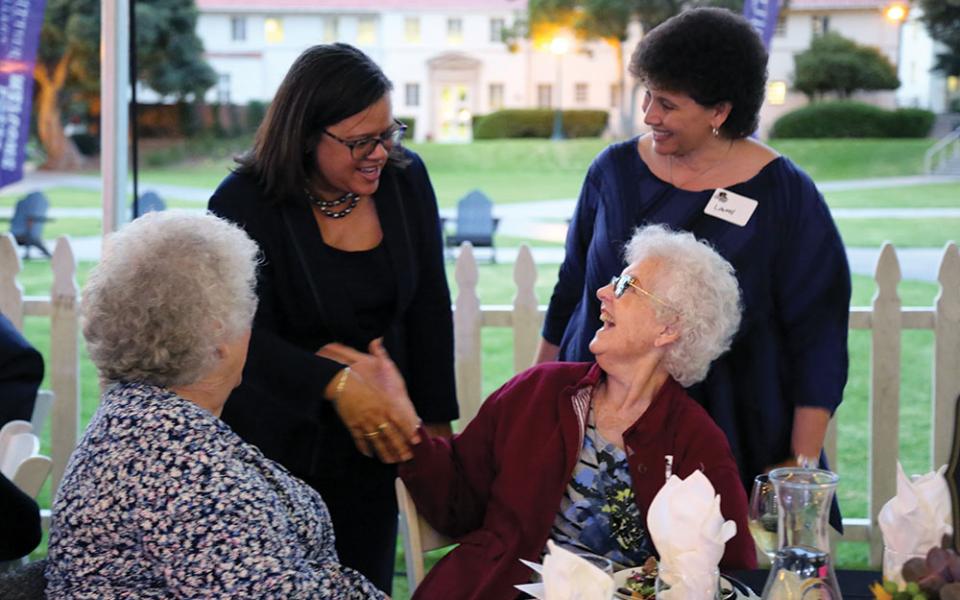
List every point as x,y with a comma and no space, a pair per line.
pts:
791,349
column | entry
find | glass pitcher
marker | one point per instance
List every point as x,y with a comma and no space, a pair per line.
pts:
802,568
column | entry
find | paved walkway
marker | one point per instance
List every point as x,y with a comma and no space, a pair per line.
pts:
546,220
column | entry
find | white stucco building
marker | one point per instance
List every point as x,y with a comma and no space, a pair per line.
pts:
446,58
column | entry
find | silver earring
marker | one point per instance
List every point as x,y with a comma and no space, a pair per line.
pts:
716,132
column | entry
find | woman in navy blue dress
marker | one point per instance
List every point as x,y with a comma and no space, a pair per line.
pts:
698,170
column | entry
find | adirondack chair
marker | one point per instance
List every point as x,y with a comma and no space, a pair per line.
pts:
475,223
149,201
29,216
418,536
19,458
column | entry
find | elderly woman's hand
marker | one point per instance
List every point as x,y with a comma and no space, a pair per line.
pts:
373,402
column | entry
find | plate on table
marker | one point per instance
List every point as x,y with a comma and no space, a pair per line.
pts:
741,591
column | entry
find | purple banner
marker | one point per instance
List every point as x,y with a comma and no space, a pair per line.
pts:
762,14
20,22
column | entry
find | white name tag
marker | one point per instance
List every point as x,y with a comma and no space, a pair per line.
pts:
730,207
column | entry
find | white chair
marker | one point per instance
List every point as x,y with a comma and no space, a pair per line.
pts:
20,461
41,409
418,536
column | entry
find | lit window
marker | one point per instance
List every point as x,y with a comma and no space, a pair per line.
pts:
544,95
953,83
411,30
496,30
777,92
496,96
580,93
412,94
367,30
821,24
614,95
273,30
331,30
455,31
238,29
780,29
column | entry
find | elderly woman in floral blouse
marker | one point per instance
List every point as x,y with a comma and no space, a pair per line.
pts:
161,498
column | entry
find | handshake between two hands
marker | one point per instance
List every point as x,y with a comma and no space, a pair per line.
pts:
373,403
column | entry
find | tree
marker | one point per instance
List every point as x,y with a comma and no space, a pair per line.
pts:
608,20
943,22
836,64
169,56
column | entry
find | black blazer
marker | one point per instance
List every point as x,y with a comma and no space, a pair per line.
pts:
21,371
280,406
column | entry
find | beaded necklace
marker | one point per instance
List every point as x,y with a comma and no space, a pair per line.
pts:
327,207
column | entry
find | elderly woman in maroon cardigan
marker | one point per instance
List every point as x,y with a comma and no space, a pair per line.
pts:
575,452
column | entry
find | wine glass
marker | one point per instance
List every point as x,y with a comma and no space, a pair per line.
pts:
763,515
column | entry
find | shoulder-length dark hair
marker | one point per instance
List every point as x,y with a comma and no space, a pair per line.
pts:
325,85
713,55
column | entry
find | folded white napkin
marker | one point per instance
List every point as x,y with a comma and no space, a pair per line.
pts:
566,576
916,519
690,534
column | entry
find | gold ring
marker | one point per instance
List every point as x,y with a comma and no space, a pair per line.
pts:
372,434
382,426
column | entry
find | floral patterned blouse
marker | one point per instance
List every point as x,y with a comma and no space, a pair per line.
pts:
161,499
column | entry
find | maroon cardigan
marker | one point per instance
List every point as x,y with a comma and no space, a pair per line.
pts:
496,487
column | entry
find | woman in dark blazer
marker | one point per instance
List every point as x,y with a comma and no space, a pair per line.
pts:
347,222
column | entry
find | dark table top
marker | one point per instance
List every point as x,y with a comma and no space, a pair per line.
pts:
854,585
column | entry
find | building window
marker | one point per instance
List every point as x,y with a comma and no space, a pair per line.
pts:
223,88
777,92
580,93
273,30
496,96
331,30
780,29
496,30
455,31
411,93
367,30
821,24
238,29
544,95
615,95
411,30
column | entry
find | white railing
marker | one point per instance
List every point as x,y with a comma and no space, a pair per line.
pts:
946,149
885,318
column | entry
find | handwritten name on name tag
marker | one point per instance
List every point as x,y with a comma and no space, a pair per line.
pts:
730,207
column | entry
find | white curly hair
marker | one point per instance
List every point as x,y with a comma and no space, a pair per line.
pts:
701,286
169,288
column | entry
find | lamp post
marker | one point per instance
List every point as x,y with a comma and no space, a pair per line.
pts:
559,46
896,12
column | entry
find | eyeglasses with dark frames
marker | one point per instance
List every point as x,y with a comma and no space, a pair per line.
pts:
364,147
620,284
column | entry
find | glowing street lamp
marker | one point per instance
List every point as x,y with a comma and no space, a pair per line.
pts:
559,45
896,12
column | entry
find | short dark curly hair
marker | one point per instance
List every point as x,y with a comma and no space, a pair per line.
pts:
713,55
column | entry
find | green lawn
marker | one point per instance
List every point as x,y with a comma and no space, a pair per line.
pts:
938,195
924,233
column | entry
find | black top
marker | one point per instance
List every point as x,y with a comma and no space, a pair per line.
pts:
370,287
21,371
280,405
19,521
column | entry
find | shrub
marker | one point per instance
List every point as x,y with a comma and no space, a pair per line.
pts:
256,111
411,123
538,123
846,119
87,143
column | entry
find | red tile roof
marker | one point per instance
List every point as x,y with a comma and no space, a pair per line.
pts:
360,5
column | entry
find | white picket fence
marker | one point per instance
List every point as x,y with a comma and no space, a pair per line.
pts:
886,318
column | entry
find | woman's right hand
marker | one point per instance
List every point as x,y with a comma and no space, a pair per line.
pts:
373,402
